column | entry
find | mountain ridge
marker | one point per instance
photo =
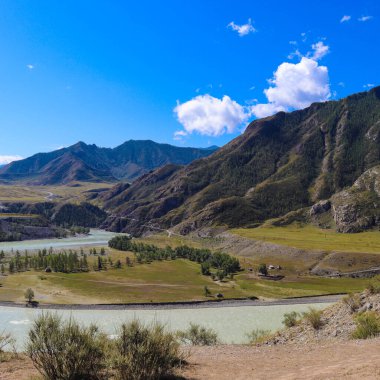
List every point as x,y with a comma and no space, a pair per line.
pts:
280,164
88,162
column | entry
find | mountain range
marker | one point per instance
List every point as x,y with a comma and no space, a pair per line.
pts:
82,162
321,163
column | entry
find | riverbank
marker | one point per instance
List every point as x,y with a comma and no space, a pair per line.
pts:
182,305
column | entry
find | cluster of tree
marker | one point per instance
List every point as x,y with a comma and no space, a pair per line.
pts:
224,263
79,230
66,262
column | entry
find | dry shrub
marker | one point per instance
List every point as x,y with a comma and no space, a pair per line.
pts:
64,350
367,325
314,317
145,352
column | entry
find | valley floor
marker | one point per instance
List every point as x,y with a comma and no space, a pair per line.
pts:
332,360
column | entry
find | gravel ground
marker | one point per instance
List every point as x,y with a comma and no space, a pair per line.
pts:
331,360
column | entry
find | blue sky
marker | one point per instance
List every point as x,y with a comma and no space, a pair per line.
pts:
190,73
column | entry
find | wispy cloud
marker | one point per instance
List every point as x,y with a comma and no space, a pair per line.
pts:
243,29
345,18
368,85
4,159
319,51
30,66
365,18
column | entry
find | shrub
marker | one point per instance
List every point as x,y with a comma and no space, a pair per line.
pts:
314,317
352,301
258,336
145,353
263,269
206,291
367,325
290,319
64,350
6,342
373,286
198,336
29,295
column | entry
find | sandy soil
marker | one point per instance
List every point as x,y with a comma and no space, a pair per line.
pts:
343,360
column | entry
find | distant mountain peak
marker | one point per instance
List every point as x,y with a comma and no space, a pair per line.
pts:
84,162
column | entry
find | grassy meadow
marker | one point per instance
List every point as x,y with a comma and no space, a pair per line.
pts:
160,281
312,238
22,193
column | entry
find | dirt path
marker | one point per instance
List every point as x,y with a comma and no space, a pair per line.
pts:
343,360
334,360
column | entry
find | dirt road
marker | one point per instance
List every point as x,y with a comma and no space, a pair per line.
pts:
334,360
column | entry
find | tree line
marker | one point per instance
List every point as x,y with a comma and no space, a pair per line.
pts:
148,252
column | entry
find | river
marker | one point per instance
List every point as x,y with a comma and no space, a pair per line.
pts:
94,238
231,323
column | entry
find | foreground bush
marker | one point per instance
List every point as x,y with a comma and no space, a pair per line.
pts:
198,336
367,325
64,350
290,319
258,336
6,344
145,353
314,317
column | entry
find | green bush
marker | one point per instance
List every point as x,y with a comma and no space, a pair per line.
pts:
198,336
314,317
290,319
258,336
374,286
145,353
367,325
64,350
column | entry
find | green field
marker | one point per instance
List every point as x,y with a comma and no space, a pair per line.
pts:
313,238
160,281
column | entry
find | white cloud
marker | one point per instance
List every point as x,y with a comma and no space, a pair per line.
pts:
7,159
243,29
210,116
365,18
369,85
319,50
295,86
178,135
345,18
341,84
30,66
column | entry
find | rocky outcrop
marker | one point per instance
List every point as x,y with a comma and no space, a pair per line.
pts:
337,322
358,208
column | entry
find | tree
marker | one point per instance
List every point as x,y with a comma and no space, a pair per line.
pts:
206,291
220,275
263,269
29,295
205,268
